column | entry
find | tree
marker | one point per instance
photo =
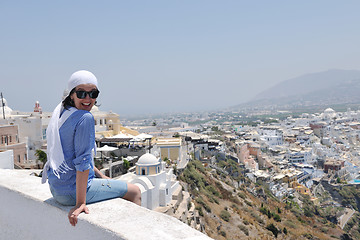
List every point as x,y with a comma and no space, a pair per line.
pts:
41,156
175,169
273,229
168,162
126,165
214,128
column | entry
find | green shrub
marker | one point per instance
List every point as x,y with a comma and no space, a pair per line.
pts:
200,201
199,209
308,235
225,215
211,189
244,229
277,218
324,229
242,195
290,224
198,165
271,227
263,210
300,219
248,203
207,208
257,217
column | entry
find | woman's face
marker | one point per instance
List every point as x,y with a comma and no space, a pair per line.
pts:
86,103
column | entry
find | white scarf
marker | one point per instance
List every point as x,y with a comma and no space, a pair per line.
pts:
55,154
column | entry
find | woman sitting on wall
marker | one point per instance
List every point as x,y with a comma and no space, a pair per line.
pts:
73,178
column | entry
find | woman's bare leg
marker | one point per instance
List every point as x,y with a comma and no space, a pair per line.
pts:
133,194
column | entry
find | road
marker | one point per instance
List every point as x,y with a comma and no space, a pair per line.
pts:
343,219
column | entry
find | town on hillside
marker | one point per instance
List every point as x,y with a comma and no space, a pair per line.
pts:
311,154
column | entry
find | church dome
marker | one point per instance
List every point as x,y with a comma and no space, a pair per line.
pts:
147,159
329,110
95,109
329,113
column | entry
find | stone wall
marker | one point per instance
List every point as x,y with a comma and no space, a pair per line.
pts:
28,211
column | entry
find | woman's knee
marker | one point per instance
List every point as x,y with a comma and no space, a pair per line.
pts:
133,194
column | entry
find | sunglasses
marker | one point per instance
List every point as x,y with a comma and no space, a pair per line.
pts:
92,94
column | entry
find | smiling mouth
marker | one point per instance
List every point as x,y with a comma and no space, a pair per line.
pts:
86,104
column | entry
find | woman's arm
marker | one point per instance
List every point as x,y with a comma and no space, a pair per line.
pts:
99,174
81,186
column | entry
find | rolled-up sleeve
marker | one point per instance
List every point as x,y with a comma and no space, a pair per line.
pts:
84,142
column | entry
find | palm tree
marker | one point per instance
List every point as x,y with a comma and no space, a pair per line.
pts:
41,156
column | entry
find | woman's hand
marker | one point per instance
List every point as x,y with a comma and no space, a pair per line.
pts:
100,174
75,212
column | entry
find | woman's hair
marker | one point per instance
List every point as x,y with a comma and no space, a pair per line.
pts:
68,102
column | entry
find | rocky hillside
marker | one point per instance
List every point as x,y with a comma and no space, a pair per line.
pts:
229,210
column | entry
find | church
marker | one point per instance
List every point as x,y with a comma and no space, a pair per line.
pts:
157,184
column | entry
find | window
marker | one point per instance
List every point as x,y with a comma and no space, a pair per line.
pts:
167,191
43,134
18,157
10,140
104,121
143,171
95,122
100,121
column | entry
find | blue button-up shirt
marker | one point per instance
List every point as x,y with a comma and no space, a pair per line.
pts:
77,136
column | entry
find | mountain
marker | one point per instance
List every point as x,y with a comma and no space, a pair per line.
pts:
322,88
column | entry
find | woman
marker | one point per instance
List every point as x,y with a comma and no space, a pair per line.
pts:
71,142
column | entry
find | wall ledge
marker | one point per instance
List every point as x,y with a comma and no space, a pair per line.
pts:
28,211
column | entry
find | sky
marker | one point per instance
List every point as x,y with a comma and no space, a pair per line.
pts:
170,56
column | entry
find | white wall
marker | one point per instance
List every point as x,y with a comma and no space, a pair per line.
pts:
28,211
29,219
7,159
30,132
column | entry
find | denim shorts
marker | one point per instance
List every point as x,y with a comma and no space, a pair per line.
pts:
99,190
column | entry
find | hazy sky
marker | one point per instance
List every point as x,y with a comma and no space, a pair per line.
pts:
161,56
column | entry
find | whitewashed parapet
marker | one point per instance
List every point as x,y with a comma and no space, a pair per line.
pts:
28,211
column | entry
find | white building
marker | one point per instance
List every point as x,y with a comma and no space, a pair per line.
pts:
299,155
156,183
271,135
32,128
328,114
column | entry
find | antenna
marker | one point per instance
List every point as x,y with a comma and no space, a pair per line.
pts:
2,105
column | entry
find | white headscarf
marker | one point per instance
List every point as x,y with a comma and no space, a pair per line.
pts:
81,77
55,155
